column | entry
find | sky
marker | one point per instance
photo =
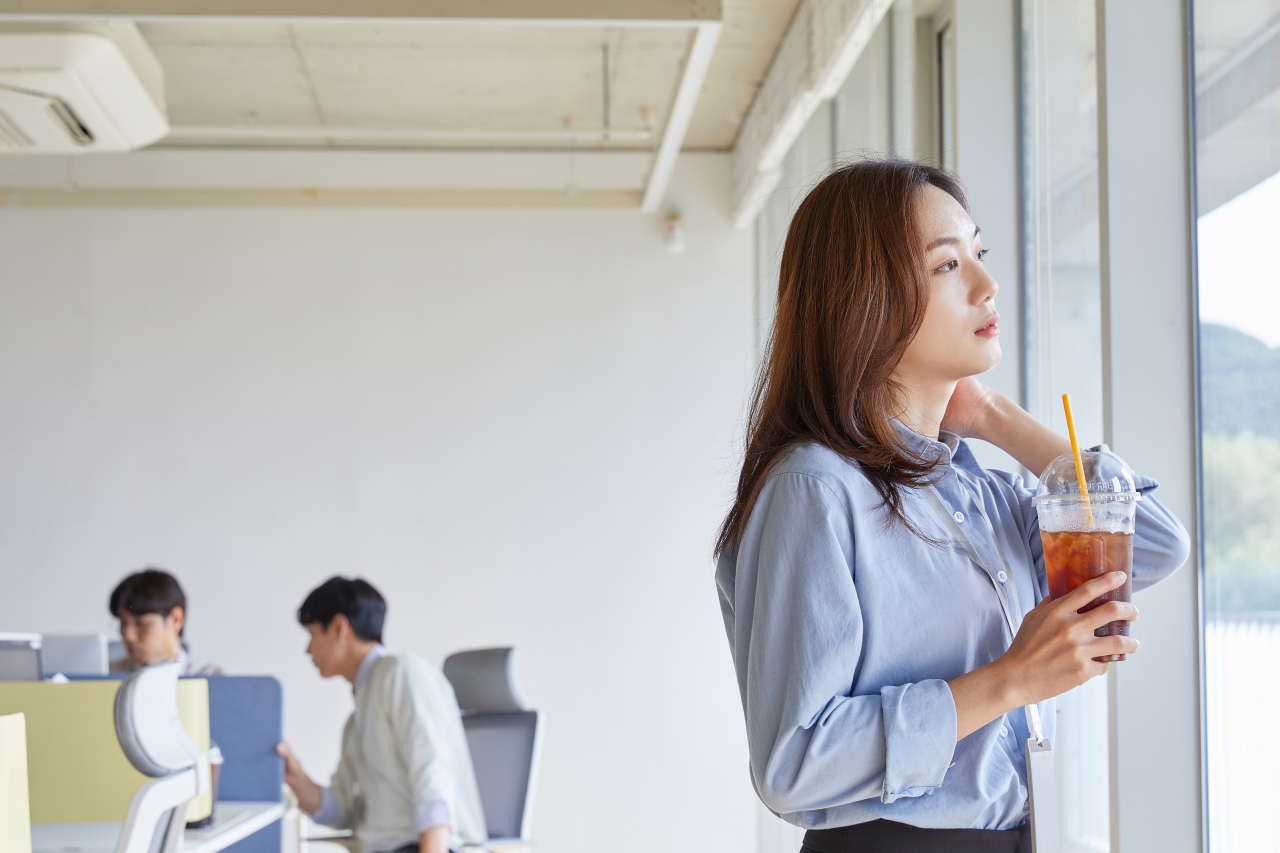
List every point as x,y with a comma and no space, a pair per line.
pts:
1239,246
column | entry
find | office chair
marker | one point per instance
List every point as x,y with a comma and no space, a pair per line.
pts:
504,739
152,737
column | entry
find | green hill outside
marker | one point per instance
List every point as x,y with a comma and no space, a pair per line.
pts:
1240,417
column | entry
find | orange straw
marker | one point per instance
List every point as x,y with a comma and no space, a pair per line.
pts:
1075,452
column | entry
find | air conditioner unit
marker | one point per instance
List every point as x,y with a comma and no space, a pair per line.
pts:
78,93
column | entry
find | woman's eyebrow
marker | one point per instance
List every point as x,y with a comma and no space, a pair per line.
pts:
949,241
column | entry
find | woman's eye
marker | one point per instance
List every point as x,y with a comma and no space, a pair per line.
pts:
950,266
983,253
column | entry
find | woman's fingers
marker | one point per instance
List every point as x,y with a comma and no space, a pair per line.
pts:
1113,645
1107,612
1091,589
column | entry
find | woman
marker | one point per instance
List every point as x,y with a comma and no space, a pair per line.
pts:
882,685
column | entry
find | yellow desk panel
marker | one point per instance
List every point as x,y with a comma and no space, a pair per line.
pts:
77,771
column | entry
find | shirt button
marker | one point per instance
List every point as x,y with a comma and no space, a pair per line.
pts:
959,516
1004,731
1002,576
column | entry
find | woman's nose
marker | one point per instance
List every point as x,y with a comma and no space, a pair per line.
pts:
985,288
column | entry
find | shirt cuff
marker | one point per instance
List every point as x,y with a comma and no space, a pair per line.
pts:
434,813
1142,484
330,811
920,737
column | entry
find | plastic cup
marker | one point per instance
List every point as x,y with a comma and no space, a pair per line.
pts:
1085,538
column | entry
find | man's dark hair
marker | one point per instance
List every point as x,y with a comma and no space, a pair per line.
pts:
148,591
354,598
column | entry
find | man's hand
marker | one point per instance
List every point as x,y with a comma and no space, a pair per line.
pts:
309,795
436,839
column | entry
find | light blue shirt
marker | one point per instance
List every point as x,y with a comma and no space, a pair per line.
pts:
845,628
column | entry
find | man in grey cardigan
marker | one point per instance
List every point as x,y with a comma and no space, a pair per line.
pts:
404,781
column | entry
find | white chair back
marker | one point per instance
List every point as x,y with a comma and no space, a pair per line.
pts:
156,744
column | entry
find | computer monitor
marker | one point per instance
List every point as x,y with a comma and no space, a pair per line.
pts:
74,654
20,657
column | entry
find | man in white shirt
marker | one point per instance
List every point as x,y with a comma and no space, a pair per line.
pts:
152,609
404,781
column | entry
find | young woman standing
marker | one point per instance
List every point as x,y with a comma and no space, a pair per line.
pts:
881,681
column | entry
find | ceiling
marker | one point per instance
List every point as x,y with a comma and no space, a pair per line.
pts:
454,85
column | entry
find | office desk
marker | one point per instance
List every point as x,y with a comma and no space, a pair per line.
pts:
232,821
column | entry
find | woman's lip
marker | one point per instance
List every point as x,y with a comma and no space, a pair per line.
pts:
990,330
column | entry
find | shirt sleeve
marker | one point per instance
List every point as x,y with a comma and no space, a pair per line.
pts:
798,641
434,813
1161,544
330,811
415,705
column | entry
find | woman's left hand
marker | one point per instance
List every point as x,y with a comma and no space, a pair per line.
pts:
967,411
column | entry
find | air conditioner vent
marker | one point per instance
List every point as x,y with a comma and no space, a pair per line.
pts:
10,135
73,93
62,111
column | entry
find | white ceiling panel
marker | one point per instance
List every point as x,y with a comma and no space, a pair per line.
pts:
418,76
432,84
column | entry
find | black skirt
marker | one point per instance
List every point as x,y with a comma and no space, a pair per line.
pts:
886,836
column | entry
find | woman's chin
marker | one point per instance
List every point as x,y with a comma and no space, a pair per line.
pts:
988,356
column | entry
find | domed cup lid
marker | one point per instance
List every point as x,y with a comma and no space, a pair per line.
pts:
1104,474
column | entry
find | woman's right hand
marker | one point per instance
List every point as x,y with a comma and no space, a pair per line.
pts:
1055,647
1053,652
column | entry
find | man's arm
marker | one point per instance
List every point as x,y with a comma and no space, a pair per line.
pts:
310,795
436,839
328,806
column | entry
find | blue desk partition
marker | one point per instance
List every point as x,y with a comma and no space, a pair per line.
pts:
246,720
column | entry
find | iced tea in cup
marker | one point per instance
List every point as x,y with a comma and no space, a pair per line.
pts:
1085,537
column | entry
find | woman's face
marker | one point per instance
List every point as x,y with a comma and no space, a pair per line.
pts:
959,336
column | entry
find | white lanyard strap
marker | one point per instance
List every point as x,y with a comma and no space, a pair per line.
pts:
935,501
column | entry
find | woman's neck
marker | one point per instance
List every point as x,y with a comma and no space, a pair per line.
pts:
924,405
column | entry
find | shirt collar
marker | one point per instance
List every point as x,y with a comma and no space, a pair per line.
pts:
366,666
944,447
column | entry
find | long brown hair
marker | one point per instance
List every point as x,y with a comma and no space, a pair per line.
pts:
852,292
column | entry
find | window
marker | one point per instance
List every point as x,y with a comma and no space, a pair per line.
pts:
1063,329
1237,134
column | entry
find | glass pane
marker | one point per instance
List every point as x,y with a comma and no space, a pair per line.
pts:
1237,60
1063,329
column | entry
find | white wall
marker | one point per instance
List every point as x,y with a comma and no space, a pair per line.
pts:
520,425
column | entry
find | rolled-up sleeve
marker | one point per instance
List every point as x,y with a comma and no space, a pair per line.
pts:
797,641
1160,543
330,811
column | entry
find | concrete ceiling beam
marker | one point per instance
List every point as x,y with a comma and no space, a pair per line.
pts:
819,49
695,74
616,12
